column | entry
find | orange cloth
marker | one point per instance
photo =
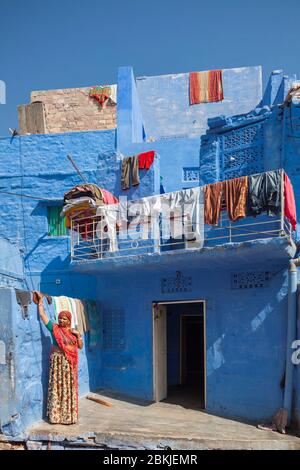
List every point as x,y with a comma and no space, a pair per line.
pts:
236,191
206,87
212,203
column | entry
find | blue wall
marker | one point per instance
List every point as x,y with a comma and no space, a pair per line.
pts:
173,127
165,104
37,166
24,377
246,329
245,334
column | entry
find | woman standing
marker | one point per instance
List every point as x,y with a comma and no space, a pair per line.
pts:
62,404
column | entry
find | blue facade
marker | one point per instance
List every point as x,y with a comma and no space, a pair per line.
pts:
245,328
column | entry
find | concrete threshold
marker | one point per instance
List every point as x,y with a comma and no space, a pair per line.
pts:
133,424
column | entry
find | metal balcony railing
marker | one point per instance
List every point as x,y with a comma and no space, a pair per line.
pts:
109,235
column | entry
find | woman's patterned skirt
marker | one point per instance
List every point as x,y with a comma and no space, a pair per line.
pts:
62,405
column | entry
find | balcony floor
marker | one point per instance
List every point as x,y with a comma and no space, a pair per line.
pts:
269,252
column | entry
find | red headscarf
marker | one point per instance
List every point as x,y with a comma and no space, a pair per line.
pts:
68,343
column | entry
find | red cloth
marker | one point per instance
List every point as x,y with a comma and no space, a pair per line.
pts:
146,159
68,343
289,202
194,88
215,85
109,198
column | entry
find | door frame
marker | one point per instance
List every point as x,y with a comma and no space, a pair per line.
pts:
172,302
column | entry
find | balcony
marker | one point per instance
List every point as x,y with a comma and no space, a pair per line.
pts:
131,234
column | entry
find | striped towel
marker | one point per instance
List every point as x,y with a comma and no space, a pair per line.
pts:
206,87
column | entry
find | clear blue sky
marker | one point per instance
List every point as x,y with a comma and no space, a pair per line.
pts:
68,43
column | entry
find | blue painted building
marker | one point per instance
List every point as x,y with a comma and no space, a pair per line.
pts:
230,300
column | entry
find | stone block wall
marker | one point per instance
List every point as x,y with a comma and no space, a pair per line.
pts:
66,110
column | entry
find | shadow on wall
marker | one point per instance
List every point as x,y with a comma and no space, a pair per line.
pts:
248,349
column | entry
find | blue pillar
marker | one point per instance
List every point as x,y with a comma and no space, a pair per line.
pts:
130,128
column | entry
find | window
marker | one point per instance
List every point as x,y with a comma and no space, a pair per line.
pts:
56,223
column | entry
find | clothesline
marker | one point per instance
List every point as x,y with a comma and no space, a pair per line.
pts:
136,201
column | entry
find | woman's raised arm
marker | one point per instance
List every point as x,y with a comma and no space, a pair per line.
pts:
41,309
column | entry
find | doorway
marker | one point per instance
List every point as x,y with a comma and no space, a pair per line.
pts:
179,353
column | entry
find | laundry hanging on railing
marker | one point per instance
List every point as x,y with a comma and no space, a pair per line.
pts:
183,214
212,203
264,193
250,196
107,225
289,202
236,192
171,215
206,87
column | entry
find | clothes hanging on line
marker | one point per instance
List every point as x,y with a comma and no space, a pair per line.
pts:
236,192
206,87
76,308
264,194
183,214
249,196
106,227
233,192
130,172
212,203
146,159
289,202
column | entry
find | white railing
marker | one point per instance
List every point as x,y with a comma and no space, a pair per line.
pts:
136,237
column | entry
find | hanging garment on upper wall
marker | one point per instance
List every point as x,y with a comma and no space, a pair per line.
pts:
264,194
206,87
236,192
146,159
289,202
130,171
212,203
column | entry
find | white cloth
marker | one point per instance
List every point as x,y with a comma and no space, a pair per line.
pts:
74,311
107,226
113,93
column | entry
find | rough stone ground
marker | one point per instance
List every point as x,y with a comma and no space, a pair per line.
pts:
142,425
9,446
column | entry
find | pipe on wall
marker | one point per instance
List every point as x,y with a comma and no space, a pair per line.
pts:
283,416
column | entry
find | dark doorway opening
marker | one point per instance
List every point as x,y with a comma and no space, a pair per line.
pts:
186,354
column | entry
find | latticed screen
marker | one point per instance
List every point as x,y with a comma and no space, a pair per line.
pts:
243,151
56,223
250,280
